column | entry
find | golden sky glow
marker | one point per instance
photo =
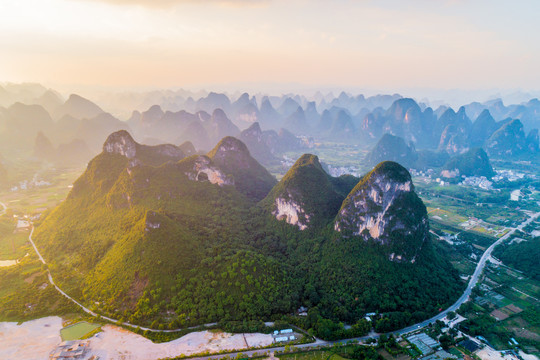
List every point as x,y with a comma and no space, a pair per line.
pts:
350,43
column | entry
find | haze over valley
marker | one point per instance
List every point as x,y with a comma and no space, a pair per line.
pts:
262,179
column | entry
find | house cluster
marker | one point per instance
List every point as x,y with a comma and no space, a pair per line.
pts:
441,182
423,173
25,184
284,335
23,225
287,162
477,181
509,175
425,176
337,171
429,347
369,316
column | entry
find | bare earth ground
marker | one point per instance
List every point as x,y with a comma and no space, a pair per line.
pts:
116,343
527,356
34,340
31,340
490,354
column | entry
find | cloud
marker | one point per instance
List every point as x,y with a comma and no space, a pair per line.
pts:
173,3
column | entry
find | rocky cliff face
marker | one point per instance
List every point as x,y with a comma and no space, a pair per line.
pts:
122,143
250,178
306,196
203,170
453,140
405,119
508,140
384,207
452,130
290,211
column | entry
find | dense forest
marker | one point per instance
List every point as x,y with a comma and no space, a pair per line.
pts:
149,245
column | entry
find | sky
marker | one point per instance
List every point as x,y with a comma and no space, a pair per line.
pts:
350,44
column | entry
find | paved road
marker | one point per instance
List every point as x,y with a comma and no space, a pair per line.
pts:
472,283
464,297
474,279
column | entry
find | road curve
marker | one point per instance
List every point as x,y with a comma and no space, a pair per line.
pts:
474,278
464,297
85,309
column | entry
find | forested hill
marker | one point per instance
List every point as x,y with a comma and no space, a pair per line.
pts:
153,235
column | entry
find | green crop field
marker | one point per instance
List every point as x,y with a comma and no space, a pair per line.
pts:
311,355
78,330
14,246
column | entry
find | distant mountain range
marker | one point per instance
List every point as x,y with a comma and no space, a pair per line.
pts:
77,127
275,124
473,162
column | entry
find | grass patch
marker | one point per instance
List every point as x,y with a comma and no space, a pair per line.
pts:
14,246
78,330
465,266
22,300
454,351
312,355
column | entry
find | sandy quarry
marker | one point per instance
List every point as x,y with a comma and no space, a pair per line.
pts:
116,343
36,339
31,340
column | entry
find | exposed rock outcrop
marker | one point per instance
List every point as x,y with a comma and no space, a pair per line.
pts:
250,178
121,143
204,170
385,208
306,196
291,212
453,140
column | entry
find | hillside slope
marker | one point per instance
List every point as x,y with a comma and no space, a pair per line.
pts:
151,236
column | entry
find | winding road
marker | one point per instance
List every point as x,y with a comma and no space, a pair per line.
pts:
474,279
88,311
464,297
